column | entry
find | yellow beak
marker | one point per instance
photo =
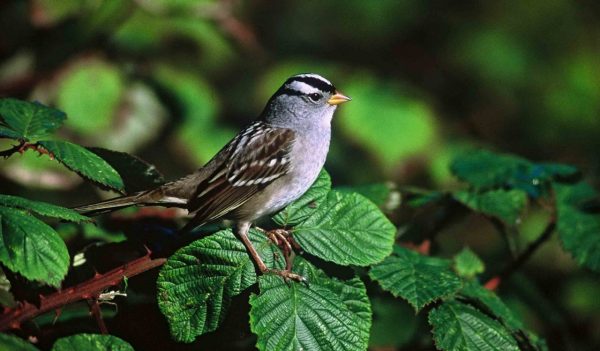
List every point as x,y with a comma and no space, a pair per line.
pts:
338,98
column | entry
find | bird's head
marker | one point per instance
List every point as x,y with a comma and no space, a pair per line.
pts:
304,100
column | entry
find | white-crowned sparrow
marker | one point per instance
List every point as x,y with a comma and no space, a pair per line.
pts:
269,164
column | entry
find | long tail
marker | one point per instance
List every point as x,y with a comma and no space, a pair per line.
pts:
109,205
156,197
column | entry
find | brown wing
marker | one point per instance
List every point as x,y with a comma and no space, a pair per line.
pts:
254,159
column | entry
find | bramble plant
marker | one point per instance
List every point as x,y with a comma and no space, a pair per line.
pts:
347,248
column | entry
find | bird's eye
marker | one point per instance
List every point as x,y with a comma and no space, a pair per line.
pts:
315,96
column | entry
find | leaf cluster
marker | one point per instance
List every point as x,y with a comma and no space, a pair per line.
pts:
343,227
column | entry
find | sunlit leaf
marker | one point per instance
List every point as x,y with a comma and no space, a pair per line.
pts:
347,229
31,247
467,264
41,208
91,342
28,121
329,314
85,163
197,283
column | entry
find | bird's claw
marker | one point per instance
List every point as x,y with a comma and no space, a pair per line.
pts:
281,238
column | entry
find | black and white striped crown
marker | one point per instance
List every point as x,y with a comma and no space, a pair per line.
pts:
306,84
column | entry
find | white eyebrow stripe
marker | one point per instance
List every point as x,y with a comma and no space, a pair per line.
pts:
316,76
303,87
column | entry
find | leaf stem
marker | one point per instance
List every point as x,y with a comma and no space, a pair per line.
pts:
524,256
11,318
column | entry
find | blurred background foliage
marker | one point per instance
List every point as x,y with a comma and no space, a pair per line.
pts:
172,81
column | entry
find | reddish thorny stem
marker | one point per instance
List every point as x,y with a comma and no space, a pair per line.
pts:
24,146
11,318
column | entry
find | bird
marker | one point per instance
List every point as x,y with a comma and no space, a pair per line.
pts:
264,168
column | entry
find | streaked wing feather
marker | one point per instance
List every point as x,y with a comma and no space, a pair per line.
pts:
257,157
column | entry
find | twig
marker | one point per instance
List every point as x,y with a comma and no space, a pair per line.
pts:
12,318
17,148
524,256
97,314
22,147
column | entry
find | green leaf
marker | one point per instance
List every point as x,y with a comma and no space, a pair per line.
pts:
91,342
300,209
329,314
561,172
9,133
13,343
484,170
347,229
506,205
90,92
85,163
410,123
42,208
467,264
31,247
136,173
26,120
460,327
197,283
579,231
490,303
416,278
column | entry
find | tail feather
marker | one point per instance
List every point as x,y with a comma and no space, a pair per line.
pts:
108,205
156,197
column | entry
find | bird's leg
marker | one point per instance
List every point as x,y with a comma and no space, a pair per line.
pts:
242,232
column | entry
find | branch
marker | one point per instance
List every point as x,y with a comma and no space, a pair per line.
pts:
12,318
8,152
523,257
22,147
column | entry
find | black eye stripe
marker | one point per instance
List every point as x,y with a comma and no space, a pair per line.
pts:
314,82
